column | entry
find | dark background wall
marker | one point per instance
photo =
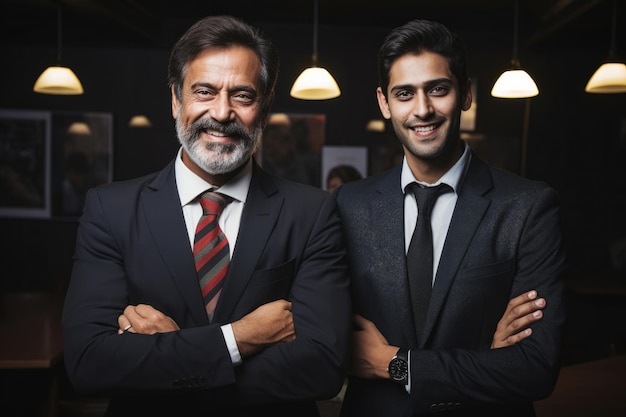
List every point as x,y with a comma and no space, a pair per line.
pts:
576,141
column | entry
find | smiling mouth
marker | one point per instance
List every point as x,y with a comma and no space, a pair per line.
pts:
426,129
215,133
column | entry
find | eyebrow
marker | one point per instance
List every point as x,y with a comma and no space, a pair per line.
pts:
245,88
427,84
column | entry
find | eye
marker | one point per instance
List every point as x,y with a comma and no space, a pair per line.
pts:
404,95
439,91
204,93
244,98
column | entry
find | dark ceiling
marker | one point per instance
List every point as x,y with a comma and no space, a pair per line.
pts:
157,23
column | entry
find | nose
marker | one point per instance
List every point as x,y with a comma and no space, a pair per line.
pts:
423,107
221,109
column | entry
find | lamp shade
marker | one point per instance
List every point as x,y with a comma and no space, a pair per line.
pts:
58,80
139,120
514,83
608,79
79,128
315,83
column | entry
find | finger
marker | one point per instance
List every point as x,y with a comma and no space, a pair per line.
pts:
522,299
146,311
526,321
122,322
360,321
518,337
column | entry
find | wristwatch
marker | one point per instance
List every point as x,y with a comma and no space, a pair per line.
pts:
399,367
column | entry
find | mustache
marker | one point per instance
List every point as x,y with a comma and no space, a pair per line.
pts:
232,128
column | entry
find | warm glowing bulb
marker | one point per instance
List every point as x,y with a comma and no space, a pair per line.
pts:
315,83
515,83
58,80
609,78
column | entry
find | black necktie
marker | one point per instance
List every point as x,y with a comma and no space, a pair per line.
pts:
420,255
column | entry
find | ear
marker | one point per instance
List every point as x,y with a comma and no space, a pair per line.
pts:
383,104
467,102
175,102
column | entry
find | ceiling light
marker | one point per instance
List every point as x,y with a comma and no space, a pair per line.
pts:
515,82
375,125
57,79
79,128
139,120
610,78
315,83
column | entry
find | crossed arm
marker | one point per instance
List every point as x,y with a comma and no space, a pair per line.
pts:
272,323
371,353
268,325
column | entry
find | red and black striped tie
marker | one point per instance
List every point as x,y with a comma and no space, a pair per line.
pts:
210,249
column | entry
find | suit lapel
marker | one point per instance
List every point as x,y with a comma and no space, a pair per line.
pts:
258,218
387,208
468,214
161,205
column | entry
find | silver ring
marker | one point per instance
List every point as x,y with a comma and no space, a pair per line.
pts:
128,327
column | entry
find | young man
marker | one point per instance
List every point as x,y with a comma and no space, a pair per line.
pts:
142,325
495,237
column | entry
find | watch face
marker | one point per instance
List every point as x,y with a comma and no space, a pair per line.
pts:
398,369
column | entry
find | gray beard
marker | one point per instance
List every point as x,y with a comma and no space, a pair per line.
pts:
217,158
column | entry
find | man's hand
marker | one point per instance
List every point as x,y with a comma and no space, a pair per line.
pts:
521,312
145,319
268,325
370,352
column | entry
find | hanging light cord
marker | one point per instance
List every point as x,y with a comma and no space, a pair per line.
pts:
59,35
515,61
315,19
613,30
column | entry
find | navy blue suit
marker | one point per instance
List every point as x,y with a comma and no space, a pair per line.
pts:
132,247
504,239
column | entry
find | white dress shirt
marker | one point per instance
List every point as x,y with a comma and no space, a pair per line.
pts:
441,214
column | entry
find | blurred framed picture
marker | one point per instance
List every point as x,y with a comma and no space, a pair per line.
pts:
292,144
24,163
82,158
48,161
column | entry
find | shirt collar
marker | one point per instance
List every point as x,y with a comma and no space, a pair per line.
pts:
191,185
452,177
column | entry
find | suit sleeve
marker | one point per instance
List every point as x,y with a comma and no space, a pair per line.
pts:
526,371
105,270
310,367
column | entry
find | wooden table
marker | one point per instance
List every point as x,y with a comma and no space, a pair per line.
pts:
30,325
596,388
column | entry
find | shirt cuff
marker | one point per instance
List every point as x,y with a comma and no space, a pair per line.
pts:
408,382
229,336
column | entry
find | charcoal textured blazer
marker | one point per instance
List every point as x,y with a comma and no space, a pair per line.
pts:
504,239
132,247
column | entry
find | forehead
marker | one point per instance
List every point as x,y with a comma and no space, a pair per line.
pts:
419,68
235,65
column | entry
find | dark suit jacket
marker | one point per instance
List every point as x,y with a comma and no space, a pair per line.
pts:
132,247
504,239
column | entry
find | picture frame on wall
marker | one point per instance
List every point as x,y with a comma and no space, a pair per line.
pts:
346,163
291,147
25,141
50,159
82,158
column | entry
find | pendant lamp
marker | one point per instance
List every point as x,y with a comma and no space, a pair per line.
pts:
610,77
315,83
515,82
57,79
140,120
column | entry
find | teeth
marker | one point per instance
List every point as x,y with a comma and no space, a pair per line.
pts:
215,133
424,129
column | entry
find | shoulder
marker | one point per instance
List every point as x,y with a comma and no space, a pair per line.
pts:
375,186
